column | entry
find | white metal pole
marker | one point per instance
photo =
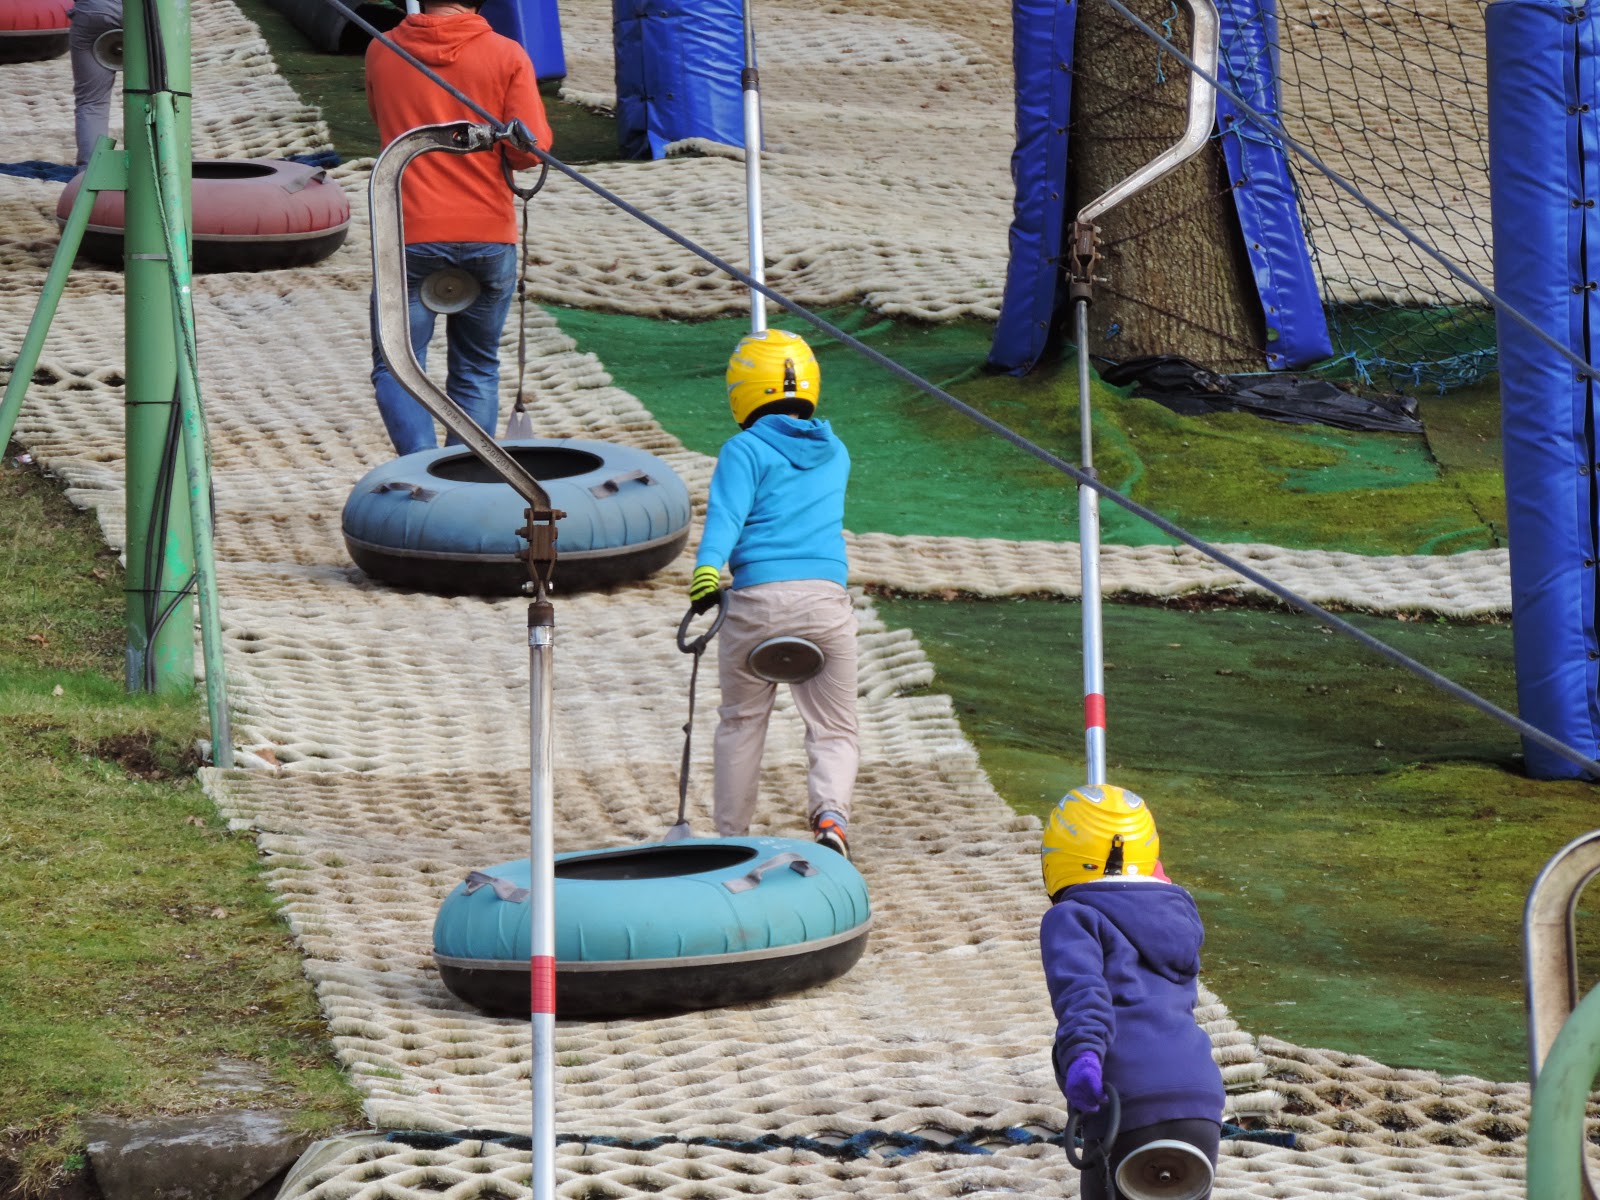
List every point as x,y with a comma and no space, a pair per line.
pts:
1094,679
750,79
541,898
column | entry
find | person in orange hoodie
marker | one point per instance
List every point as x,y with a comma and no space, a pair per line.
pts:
458,210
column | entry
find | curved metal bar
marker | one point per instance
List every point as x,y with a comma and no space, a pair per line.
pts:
389,282
1551,967
1557,1162
1202,114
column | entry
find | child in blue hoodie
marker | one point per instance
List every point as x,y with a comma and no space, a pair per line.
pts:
776,516
1121,948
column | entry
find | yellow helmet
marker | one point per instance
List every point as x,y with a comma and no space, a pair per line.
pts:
1092,827
773,367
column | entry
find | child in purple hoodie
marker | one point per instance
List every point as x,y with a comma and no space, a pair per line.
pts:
1121,948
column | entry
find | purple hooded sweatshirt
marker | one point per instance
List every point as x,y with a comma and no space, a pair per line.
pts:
1121,960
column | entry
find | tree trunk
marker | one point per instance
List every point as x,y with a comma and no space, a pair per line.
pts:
1177,278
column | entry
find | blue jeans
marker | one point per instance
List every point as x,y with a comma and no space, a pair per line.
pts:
472,339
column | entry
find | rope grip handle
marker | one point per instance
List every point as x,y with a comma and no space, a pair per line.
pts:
699,644
1095,1156
517,134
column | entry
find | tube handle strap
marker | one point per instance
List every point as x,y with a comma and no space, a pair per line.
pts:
793,859
315,175
612,486
503,888
416,490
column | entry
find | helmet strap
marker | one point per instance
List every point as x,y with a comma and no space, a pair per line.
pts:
1114,859
789,406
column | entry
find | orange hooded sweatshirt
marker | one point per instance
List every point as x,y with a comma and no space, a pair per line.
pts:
455,197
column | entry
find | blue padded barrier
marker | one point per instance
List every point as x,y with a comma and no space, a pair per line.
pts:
536,26
1544,174
1264,193
1042,39
1268,207
678,69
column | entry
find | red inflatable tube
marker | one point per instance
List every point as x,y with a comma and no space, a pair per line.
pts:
249,215
33,29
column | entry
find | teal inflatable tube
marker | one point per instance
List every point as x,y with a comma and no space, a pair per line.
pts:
663,927
441,521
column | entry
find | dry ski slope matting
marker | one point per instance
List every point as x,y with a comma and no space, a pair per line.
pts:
387,732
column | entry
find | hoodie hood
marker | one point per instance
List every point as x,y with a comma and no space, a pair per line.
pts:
804,443
440,39
1159,920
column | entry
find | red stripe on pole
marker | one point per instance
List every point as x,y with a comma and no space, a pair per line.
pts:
1094,711
544,985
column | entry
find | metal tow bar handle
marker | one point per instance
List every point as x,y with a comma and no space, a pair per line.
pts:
1202,115
389,281
1082,254
1549,934
393,326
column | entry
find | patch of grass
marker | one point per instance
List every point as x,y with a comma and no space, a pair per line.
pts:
1360,844
138,942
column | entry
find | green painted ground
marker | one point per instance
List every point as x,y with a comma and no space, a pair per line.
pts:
921,468
1360,845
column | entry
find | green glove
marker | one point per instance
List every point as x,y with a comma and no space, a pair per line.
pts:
705,582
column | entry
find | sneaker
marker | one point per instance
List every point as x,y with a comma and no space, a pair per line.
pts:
829,829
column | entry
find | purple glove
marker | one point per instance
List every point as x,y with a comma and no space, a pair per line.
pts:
1084,1085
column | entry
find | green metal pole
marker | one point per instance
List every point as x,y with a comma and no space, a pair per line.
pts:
160,539
170,174
1560,1100
107,172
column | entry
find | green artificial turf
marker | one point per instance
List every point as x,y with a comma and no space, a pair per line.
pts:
1360,844
920,468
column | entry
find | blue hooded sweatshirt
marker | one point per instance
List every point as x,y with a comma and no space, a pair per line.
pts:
776,510
1121,960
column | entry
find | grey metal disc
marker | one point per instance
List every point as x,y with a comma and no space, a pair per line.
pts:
786,659
449,290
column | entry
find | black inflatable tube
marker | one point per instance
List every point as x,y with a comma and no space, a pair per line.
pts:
637,990
211,255
33,45
502,575
330,31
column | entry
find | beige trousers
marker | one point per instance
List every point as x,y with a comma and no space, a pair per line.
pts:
819,611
